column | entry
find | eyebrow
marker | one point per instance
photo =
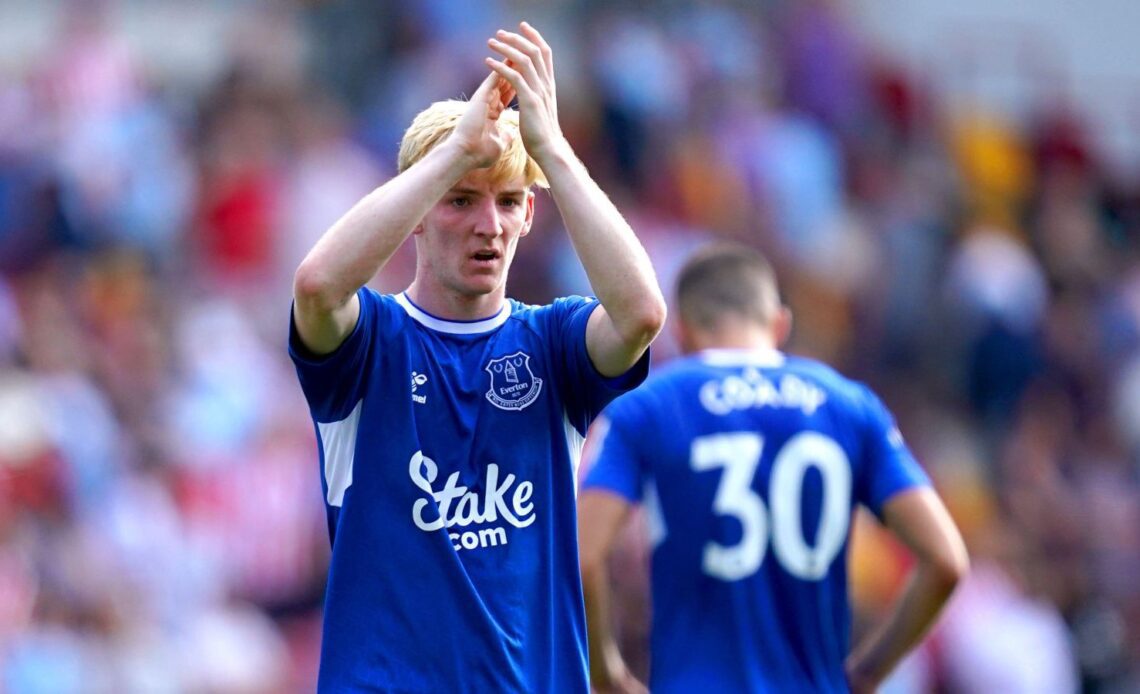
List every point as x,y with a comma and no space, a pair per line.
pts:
471,191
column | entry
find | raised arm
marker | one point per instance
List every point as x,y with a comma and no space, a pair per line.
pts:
600,516
632,309
352,251
919,519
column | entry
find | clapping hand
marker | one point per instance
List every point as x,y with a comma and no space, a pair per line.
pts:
478,132
528,67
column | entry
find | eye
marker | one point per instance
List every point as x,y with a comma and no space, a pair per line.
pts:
461,201
510,202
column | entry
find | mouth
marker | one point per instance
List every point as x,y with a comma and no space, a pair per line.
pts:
485,257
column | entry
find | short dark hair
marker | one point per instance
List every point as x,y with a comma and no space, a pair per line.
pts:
727,279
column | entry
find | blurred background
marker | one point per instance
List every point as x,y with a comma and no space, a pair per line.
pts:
951,192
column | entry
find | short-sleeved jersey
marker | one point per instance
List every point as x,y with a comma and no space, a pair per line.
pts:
449,454
750,464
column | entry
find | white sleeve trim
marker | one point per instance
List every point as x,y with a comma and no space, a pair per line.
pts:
574,443
338,441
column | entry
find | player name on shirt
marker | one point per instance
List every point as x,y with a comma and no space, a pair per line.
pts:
752,390
457,505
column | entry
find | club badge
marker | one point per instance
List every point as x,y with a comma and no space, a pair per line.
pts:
513,384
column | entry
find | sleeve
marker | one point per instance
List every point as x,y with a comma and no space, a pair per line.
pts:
612,458
889,467
334,383
587,392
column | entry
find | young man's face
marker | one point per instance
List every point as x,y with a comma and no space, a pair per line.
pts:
467,241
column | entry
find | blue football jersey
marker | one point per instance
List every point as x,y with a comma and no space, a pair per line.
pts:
449,454
749,464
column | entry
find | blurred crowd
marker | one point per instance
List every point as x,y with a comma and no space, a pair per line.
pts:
161,521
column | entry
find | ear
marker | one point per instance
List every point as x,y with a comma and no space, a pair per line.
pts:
529,213
782,326
419,229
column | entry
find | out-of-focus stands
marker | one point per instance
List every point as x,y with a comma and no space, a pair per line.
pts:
161,526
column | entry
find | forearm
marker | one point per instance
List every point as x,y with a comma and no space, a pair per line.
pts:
600,516
358,245
617,265
908,621
921,521
605,658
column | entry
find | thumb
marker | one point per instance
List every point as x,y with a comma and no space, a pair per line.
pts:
487,89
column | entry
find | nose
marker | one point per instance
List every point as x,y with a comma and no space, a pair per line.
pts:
488,219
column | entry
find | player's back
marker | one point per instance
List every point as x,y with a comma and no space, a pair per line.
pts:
751,464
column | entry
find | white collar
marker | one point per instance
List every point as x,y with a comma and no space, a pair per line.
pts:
462,327
764,357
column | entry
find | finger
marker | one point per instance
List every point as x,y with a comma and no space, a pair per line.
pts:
485,91
543,47
506,91
525,45
520,42
518,84
521,61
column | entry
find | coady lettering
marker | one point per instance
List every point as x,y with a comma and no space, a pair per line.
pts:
752,390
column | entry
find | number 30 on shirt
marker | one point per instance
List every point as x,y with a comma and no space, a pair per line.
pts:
739,454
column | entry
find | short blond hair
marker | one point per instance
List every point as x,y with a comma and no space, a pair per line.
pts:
436,122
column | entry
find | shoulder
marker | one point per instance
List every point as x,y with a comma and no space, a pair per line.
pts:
564,312
560,306
383,303
853,396
676,374
662,389
385,312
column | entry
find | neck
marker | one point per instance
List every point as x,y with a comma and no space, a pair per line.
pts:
737,336
450,305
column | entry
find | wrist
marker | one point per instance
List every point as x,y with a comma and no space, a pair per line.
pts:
458,159
553,154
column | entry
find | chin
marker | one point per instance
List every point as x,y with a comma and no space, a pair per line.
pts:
481,288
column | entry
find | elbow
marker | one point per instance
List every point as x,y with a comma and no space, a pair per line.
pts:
655,316
592,565
951,568
647,320
592,562
314,288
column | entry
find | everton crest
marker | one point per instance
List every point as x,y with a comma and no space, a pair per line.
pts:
513,384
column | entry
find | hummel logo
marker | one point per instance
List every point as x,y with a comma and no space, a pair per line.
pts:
418,380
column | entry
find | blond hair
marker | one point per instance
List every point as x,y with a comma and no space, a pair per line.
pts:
436,122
